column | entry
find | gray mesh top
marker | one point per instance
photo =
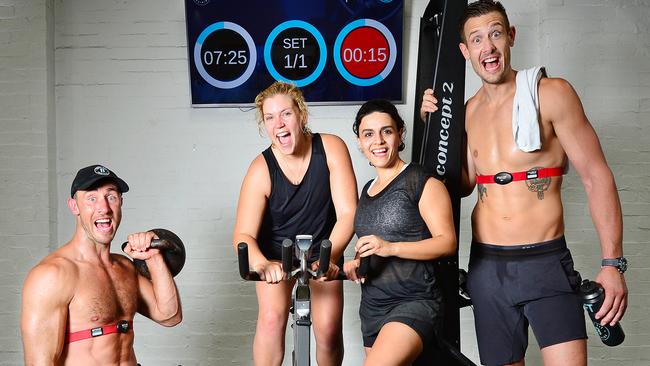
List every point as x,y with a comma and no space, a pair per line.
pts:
393,215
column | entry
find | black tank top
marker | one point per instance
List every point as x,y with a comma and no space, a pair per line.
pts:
305,208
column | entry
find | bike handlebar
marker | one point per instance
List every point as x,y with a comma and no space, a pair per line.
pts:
287,246
325,251
244,269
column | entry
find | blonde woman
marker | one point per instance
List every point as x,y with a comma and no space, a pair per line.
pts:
302,184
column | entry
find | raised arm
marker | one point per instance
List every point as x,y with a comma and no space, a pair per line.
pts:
343,185
429,104
435,209
579,141
43,322
158,299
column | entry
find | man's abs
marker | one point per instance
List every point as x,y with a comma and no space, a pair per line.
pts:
518,213
112,349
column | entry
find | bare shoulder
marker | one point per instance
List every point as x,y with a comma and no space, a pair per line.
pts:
434,197
259,163
258,169
334,146
471,103
330,140
257,178
555,89
435,185
56,264
558,100
55,274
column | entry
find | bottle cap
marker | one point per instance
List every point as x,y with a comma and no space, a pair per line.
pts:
590,290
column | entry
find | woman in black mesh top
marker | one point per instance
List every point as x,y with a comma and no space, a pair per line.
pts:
404,220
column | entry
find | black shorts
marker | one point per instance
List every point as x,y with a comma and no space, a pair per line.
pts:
423,316
514,286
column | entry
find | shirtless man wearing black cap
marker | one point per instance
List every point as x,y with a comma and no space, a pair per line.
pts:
79,302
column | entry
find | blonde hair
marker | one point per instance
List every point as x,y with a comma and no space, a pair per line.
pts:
290,90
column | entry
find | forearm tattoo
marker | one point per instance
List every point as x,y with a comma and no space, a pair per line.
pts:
482,191
538,185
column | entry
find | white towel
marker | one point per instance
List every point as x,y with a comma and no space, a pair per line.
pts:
525,109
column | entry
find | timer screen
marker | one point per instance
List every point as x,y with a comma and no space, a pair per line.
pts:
336,51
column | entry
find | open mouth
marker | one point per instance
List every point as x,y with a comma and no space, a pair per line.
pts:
491,64
283,137
104,225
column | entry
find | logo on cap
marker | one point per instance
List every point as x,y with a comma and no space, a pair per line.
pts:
101,170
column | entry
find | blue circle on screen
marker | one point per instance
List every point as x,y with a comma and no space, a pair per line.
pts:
251,49
321,45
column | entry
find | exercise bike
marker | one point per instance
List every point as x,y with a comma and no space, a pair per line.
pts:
301,293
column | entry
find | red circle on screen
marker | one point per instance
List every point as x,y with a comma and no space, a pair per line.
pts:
365,52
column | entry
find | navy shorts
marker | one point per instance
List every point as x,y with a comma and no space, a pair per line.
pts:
514,286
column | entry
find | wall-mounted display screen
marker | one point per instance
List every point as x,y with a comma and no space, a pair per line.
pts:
336,51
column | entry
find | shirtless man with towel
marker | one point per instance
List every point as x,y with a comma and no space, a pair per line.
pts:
520,269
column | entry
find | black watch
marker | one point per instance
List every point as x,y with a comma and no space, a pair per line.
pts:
620,263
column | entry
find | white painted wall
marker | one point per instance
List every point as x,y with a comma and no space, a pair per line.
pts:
86,81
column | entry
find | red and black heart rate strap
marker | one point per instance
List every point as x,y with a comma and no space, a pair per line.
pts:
122,326
506,177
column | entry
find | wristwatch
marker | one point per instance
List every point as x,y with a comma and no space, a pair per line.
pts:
620,263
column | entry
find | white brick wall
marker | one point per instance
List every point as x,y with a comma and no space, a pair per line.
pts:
605,55
85,81
25,180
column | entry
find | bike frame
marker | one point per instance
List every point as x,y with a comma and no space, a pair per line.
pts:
301,301
301,293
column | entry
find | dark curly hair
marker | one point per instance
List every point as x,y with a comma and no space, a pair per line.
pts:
382,106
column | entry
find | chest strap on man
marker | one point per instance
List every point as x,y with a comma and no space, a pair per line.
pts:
505,177
121,326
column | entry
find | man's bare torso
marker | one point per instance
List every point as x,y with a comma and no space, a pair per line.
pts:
103,294
520,212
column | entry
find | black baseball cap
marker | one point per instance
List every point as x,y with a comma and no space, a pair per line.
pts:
90,175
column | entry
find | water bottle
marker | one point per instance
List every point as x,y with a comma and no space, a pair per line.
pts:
593,295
